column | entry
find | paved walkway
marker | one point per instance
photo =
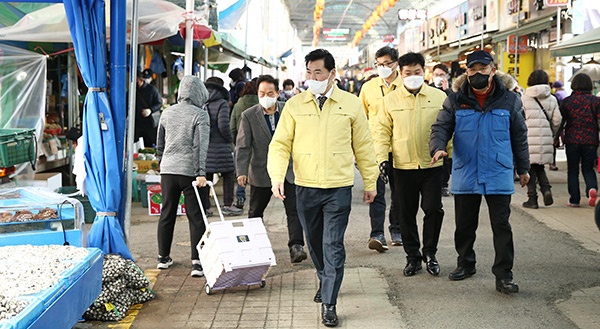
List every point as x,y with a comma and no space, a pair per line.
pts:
286,301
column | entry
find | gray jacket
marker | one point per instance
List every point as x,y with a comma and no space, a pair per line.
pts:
183,131
252,147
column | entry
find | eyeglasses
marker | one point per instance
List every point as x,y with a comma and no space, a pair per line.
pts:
387,64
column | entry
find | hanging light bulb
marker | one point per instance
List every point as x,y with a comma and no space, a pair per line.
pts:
592,61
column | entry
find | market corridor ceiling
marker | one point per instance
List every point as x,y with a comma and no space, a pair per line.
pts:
348,14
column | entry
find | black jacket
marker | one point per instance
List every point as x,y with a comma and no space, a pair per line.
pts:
220,157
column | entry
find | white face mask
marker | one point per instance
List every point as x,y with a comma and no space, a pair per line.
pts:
437,81
384,71
317,87
267,102
413,82
148,81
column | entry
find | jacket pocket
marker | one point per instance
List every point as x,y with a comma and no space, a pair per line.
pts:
401,151
466,120
305,166
505,160
341,166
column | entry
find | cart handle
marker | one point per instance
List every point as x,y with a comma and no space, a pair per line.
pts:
214,193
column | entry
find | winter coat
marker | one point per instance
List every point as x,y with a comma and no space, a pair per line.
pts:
323,143
404,121
220,157
183,131
486,140
581,112
245,102
542,123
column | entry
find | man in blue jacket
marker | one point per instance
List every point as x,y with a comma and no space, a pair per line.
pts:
489,132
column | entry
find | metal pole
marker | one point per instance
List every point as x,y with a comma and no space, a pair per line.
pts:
205,63
131,114
558,19
189,38
517,45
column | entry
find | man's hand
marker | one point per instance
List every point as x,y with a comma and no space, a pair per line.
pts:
385,169
242,179
146,112
524,179
201,181
277,189
437,156
444,84
369,196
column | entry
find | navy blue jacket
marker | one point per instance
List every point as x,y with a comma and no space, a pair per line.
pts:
487,141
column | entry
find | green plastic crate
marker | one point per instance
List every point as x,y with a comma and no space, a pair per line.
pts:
17,146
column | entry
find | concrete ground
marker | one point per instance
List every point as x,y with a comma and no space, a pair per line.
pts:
557,265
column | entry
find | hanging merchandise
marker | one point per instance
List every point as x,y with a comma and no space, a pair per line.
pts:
157,64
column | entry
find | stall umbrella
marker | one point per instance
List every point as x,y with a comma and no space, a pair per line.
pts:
102,183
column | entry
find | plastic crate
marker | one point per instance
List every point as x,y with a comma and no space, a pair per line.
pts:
17,146
88,210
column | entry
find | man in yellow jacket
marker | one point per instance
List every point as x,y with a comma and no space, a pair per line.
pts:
405,121
371,95
323,129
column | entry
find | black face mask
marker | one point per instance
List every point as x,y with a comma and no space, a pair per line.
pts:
479,81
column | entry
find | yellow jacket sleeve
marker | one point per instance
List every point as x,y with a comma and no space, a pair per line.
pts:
362,145
280,148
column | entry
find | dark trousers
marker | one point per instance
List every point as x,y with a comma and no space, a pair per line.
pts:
586,155
410,184
537,175
324,216
395,213
447,171
172,186
467,219
259,200
228,182
377,210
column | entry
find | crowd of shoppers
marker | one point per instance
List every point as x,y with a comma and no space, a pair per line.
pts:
478,128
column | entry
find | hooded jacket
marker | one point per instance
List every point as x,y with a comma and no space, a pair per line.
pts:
486,140
183,131
220,156
542,123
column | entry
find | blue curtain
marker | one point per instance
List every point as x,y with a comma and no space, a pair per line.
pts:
86,20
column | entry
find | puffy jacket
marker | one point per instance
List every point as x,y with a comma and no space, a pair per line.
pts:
542,123
220,156
406,119
485,139
323,142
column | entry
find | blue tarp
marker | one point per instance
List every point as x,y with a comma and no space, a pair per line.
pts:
87,25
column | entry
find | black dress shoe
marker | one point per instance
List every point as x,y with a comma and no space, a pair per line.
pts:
461,273
329,315
433,267
317,298
412,267
507,286
297,253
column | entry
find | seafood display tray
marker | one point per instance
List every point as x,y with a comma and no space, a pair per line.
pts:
62,305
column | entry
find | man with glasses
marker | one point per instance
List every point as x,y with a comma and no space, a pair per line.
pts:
404,123
371,94
490,134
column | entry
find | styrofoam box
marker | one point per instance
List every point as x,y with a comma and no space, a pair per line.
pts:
51,181
234,244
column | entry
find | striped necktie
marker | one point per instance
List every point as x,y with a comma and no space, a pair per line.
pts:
322,100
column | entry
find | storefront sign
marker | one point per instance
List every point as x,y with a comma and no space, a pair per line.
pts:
521,46
411,14
523,68
557,3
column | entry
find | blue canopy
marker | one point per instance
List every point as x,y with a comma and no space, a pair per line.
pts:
100,134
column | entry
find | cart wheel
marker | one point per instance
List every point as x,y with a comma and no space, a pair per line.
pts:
263,283
208,289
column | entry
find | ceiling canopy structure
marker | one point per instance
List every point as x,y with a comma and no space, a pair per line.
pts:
342,19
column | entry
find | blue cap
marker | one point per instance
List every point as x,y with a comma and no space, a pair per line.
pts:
479,56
